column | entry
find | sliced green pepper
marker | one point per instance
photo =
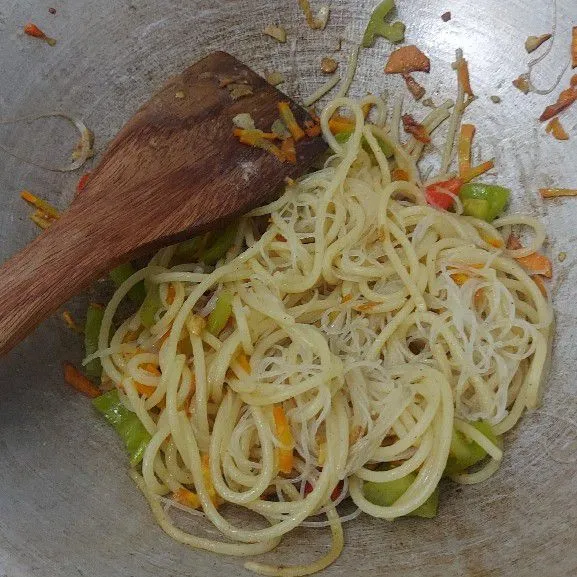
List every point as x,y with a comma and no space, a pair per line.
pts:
188,250
122,273
221,313
387,493
484,201
126,423
221,244
465,452
378,27
94,316
150,306
388,151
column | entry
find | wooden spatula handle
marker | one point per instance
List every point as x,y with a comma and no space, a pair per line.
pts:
44,275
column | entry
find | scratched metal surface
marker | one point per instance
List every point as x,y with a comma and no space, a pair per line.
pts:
67,506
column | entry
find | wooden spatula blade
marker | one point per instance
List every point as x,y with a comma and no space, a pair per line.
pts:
174,170
179,156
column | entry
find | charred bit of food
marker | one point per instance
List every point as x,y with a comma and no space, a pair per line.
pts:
446,16
533,42
555,128
414,87
413,127
328,65
276,32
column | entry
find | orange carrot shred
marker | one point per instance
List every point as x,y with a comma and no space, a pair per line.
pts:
535,263
400,174
566,98
338,124
463,76
465,143
476,171
288,150
33,30
81,383
82,182
244,362
285,436
186,498
290,121
557,192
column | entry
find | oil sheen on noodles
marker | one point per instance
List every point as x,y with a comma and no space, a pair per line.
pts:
346,314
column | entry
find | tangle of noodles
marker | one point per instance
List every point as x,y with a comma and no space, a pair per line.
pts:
346,313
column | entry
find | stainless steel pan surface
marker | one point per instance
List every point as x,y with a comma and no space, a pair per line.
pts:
67,505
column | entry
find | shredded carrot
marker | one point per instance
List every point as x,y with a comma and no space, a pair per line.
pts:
460,278
496,242
259,139
338,124
312,128
346,298
463,76
144,390
244,362
465,143
400,174
250,137
555,127
43,206
476,171
147,390
290,121
535,263
70,322
538,279
288,150
33,30
557,192
82,182
574,47
77,380
214,497
285,436
366,108
566,98
365,307
186,498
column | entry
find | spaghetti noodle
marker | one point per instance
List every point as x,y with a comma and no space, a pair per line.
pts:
364,328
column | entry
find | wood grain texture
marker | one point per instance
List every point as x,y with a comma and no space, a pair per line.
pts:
174,170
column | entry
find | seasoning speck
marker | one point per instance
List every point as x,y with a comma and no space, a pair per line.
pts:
274,78
495,99
446,16
180,94
52,10
562,256
328,65
276,32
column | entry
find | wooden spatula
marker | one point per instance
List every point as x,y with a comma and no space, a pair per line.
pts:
174,170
